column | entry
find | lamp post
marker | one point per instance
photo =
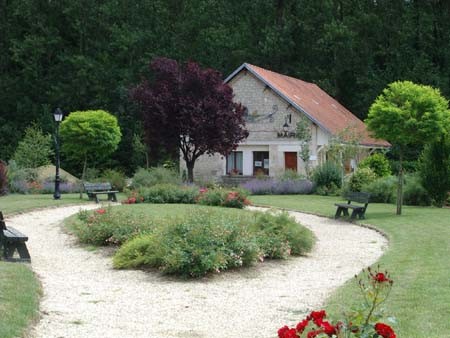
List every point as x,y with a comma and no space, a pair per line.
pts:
58,116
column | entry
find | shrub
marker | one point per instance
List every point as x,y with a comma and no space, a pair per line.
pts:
360,178
434,170
378,163
382,190
34,150
207,241
235,199
280,187
153,176
169,193
213,197
279,236
414,193
290,175
109,226
3,178
328,176
116,178
200,243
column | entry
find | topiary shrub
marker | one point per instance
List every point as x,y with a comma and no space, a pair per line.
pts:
378,163
382,190
360,178
327,178
153,176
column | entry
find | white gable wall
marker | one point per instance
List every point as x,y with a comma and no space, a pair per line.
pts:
267,113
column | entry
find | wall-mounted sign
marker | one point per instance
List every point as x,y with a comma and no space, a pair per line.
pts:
258,164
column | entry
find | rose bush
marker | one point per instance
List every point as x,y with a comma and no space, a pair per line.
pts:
364,322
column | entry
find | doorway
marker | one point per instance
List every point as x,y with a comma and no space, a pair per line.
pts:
290,161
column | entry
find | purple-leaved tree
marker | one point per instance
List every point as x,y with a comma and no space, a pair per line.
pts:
188,108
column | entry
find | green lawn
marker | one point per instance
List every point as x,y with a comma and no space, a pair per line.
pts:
19,288
418,259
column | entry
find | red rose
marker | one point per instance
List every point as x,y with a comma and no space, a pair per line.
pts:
381,277
328,328
100,211
282,331
384,330
291,333
313,334
317,317
302,325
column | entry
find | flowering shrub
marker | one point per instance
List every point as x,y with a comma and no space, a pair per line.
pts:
278,186
205,241
235,199
360,323
106,226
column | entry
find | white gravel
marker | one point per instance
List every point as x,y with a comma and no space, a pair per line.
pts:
85,297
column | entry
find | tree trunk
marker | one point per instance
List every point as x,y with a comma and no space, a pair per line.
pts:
82,176
190,171
400,187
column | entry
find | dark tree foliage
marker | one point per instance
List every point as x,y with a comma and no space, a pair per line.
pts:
188,108
82,55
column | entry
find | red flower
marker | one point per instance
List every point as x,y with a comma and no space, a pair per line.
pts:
282,331
313,334
328,328
302,325
381,277
384,330
100,211
203,190
317,317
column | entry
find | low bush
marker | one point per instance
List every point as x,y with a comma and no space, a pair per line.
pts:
279,236
235,199
212,197
360,178
169,193
117,179
414,193
107,226
327,177
278,187
209,241
153,176
382,190
378,163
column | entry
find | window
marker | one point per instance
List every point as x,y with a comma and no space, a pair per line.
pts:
234,163
260,163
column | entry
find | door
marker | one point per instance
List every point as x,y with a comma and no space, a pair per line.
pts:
290,161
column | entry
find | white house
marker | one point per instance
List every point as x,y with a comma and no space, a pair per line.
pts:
275,103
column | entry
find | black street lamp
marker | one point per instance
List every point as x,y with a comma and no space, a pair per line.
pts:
58,116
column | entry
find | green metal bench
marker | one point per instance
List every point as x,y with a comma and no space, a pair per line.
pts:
12,240
358,210
95,189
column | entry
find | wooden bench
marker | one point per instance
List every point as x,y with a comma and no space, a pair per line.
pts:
12,240
95,189
358,210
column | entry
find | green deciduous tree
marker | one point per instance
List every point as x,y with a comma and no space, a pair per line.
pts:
89,134
34,150
303,133
407,113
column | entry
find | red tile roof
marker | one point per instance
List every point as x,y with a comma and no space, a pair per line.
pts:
320,107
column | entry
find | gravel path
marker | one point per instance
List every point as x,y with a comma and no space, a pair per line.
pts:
85,297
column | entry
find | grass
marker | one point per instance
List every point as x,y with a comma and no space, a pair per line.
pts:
19,287
418,259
